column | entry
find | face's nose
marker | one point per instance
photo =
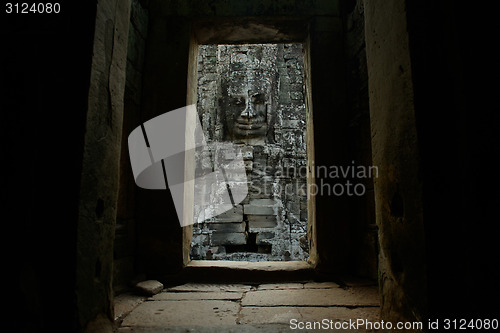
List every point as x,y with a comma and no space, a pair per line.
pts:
249,111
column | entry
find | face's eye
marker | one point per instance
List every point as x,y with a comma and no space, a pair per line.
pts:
239,101
258,99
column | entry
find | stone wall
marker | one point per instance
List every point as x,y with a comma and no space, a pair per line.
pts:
271,223
125,235
99,184
398,190
362,221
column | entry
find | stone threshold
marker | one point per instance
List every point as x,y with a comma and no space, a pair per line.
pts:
247,265
218,271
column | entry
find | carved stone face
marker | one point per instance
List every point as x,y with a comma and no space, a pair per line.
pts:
247,108
248,93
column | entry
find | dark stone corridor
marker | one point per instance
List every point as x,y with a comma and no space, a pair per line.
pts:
408,87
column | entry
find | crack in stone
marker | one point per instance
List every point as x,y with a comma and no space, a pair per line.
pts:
240,307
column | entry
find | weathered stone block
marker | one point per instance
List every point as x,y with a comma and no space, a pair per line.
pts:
207,103
303,204
233,215
227,227
297,87
293,207
258,210
296,79
263,202
149,287
238,190
302,190
284,97
292,123
259,163
209,68
262,221
260,189
247,152
248,166
210,60
201,239
292,219
294,71
228,238
292,63
263,237
207,79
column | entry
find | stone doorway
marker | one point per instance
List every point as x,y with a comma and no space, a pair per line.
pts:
253,95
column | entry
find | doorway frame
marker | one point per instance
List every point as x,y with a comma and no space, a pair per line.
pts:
253,31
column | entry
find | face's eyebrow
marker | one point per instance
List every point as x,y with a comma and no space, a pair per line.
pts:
259,96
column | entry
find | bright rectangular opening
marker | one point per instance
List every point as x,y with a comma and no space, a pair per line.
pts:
253,95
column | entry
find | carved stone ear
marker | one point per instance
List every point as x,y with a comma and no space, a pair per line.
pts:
270,127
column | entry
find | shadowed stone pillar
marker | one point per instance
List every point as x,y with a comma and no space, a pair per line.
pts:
100,170
398,189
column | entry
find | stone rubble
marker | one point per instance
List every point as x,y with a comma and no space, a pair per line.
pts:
149,287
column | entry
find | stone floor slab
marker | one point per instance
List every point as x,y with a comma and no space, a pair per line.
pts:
320,285
125,303
203,295
311,297
366,293
210,308
268,315
358,282
283,314
183,313
264,328
201,287
275,286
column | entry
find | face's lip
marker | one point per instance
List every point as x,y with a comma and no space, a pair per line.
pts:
249,126
255,120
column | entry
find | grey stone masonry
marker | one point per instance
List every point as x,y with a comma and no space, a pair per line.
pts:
253,96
